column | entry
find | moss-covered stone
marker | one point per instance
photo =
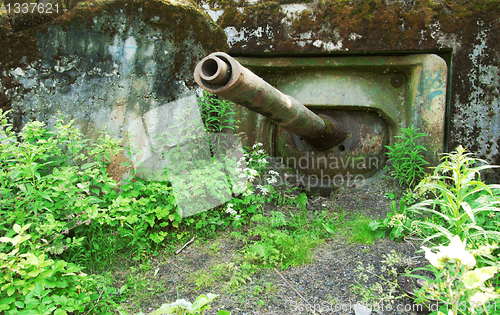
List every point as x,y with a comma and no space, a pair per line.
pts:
105,63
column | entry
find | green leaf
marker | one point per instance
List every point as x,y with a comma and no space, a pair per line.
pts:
7,301
469,212
302,200
374,225
396,232
34,273
38,290
164,309
87,165
17,228
11,290
123,288
45,196
221,312
475,278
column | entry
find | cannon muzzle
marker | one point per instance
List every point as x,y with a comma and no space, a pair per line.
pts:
222,75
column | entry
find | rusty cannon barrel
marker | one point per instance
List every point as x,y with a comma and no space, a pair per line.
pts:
222,75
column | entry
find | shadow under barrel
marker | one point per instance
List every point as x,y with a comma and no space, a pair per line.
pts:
220,74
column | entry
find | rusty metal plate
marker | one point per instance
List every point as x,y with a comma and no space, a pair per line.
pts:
403,90
372,97
361,153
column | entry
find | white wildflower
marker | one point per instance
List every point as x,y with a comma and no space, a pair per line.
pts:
262,189
252,172
478,299
257,145
183,304
456,252
475,278
230,209
247,192
432,258
272,180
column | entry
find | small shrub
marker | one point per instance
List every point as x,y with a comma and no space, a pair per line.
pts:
405,157
32,283
395,224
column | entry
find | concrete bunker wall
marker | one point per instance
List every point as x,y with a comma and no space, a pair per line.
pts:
105,63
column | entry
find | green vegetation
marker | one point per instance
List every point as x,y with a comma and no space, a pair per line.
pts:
462,202
276,241
73,224
395,224
380,288
65,224
455,212
405,157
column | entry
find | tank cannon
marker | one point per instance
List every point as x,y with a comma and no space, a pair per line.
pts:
222,75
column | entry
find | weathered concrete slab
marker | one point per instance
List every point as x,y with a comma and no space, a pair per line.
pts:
105,63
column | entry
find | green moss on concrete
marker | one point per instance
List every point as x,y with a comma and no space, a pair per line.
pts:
177,18
383,26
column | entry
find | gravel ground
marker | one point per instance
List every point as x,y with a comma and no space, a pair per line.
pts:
326,283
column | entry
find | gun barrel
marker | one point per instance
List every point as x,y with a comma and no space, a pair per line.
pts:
222,75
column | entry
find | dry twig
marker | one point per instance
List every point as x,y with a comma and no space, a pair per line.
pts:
185,245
